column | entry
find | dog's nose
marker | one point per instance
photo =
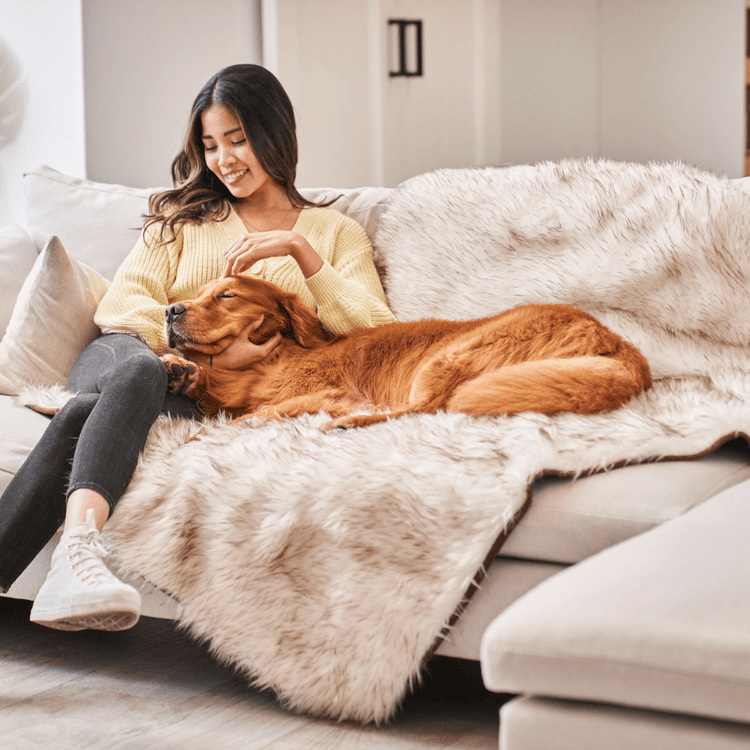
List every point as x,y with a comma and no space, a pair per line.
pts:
173,311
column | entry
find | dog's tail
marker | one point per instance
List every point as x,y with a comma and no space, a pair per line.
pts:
582,385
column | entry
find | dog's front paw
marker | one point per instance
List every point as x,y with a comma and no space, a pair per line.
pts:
183,376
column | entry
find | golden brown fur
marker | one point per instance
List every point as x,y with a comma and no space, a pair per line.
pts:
544,358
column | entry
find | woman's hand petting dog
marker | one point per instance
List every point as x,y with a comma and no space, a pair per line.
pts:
241,353
187,377
257,246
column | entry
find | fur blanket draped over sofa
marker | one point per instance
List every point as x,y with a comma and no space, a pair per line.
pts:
326,565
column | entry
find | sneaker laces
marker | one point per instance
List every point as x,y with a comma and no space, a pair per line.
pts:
85,552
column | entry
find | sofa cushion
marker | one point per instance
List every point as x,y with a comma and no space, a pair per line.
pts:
571,519
17,256
52,321
534,723
21,431
98,223
504,581
364,205
658,622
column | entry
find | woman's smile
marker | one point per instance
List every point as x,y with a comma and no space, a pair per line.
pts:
233,177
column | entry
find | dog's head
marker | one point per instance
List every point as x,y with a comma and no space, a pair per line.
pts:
226,307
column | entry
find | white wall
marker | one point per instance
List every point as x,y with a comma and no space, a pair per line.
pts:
325,54
548,79
673,82
45,39
441,119
635,80
144,63
109,84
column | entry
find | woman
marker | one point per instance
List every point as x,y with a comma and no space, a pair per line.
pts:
234,209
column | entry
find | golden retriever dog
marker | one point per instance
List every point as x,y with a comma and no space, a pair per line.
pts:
541,358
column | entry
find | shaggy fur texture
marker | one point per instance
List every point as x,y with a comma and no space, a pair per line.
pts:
659,253
545,358
325,565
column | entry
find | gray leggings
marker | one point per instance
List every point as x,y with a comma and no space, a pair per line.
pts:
96,438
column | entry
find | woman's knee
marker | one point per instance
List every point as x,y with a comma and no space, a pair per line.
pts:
108,355
143,372
122,366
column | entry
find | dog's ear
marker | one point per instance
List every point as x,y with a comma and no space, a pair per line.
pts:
306,327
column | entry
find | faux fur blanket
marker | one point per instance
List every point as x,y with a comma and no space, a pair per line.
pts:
660,253
326,565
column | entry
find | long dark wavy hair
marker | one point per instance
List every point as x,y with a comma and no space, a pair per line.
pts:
260,104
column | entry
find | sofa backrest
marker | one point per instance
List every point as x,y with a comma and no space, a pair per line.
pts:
99,223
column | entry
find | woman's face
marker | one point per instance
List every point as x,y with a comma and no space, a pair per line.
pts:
228,154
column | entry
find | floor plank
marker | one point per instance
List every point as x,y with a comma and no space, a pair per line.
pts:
153,688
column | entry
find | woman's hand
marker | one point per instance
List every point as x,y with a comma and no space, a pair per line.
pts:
255,246
241,353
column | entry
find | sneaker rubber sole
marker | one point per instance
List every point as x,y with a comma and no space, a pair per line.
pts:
105,614
110,621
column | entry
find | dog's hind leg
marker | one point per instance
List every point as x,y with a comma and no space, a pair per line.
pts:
538,358
582,385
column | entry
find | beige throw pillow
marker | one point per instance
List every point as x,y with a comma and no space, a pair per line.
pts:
52,321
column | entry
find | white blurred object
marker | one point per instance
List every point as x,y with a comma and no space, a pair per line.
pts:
12,95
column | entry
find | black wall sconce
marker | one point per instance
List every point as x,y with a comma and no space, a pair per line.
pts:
409,40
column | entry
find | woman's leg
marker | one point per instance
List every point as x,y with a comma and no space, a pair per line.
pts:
130,380
33,505
131,383
80,502
102,432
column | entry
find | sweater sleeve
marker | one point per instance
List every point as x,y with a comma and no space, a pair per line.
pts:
347,289
139,293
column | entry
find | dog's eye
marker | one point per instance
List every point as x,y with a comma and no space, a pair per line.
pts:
225,295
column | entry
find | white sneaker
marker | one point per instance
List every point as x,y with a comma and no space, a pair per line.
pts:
80,592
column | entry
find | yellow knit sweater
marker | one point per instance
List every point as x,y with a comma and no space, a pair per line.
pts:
346,291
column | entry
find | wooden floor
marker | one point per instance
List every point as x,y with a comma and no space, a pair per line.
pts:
153,688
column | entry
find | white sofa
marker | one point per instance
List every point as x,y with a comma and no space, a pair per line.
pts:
619,609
